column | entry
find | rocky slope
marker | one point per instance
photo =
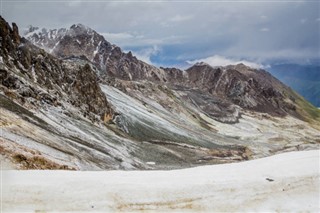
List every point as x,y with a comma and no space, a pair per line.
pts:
225,87
81,103
246,87
80,40
31,76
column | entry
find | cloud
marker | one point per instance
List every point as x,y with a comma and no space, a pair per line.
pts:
175,20
73,3
146,54
118,36
129,40
218,60
180,18
303,20
265,29
254,31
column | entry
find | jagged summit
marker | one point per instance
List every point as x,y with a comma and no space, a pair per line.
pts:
54,40
80,40
201,63
34,76
75,28
30,29
81,27
243,86
239,66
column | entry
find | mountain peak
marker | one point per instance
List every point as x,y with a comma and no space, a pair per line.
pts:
201,63
78,26
7,30
81,29
241,67
30,29
80,40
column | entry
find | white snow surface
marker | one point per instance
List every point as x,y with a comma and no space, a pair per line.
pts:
287,182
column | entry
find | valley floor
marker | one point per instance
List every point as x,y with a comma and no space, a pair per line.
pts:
281,183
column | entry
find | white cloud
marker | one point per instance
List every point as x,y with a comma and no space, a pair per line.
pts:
146,54
303,20
180,18
265,29
117,36
73,3
128,40
218,60
174,20
192,29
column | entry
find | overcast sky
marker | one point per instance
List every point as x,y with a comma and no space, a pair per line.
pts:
175,33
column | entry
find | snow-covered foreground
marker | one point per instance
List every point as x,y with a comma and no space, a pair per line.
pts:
285,182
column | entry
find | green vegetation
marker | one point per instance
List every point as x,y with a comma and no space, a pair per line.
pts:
309,112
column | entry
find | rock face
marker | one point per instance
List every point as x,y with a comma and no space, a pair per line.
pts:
246,87
223,91
36,76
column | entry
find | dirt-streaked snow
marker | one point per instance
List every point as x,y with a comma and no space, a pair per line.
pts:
284,182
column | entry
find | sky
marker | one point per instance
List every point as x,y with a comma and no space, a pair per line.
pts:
179,33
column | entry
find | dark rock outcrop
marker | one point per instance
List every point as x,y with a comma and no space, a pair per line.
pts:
89,92
32,73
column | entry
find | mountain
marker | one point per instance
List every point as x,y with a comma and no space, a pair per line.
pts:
81,41
305,79
71,100
29,72
240,85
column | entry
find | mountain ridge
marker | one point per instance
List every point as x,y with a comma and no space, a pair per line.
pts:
63,110
110,59
243,91
305,79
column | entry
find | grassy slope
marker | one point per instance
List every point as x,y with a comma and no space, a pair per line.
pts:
307,110
310,90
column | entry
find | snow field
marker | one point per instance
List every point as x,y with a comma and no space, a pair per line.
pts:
285,182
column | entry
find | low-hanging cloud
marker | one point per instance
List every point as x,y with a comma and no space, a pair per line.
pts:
218,60
146,54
